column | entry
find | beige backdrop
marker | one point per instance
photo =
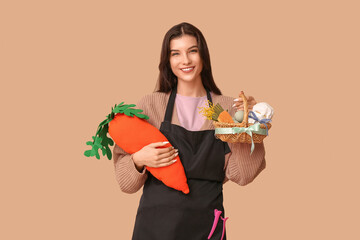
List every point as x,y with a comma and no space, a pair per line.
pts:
64,64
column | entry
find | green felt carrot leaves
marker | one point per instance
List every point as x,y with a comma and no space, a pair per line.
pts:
101,140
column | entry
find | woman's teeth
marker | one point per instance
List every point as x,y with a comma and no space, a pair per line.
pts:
187,69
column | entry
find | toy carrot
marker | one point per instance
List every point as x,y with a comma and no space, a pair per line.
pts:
131,132
221,115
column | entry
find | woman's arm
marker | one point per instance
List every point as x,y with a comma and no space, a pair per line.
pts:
241,167
127,175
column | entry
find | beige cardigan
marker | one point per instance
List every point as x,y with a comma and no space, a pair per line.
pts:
240,167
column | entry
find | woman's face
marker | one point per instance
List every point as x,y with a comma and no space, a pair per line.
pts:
185,60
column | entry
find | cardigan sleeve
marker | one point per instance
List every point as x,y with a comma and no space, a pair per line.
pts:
128,177
242,168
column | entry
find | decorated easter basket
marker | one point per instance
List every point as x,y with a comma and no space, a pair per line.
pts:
243,132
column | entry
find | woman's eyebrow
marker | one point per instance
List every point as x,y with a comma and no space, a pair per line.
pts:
188,48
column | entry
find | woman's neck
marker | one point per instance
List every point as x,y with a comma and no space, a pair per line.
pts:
191,89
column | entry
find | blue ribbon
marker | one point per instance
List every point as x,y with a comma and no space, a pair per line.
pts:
263,121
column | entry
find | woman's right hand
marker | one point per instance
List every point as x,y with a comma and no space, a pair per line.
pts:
152,156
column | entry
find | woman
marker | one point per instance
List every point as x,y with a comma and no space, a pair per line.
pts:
185,83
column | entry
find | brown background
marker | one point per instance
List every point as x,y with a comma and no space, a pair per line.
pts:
65,63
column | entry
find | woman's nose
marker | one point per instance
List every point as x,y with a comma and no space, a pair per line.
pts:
186,59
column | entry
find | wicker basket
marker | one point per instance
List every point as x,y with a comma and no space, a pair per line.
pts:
240,137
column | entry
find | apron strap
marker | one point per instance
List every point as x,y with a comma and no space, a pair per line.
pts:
170,105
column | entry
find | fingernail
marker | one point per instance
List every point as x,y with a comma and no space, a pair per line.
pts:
175,160
176,150
234,105
176,154
165,142
235,100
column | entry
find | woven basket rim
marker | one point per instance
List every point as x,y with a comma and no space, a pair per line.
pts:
231,125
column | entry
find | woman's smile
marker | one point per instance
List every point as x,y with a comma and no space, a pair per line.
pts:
187,70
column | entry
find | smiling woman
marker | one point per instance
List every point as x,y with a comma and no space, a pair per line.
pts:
185,83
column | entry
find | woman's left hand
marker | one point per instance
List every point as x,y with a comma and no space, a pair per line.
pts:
239,103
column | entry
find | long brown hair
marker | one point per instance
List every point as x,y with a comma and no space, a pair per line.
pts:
167,79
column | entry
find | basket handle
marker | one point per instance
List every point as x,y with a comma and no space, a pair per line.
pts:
246,110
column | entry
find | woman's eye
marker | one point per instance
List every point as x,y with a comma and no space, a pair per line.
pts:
178,53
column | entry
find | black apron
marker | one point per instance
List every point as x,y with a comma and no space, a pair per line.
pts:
169,214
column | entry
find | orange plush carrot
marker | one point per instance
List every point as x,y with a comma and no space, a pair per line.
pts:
221,115
131,132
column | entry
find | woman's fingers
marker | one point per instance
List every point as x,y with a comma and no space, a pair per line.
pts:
239,103
157,144
164,150
161,156
166,164
167,154
249,98
167,160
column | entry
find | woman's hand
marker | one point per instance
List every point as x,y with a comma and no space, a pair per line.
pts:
155,157
239,103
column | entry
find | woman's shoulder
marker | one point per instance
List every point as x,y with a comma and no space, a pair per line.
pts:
154,106
154,98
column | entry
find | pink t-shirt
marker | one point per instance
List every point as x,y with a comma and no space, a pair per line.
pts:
188,111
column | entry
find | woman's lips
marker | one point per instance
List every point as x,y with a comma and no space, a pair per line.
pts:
187,70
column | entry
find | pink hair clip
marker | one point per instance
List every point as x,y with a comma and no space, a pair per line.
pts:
217,214
224,221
